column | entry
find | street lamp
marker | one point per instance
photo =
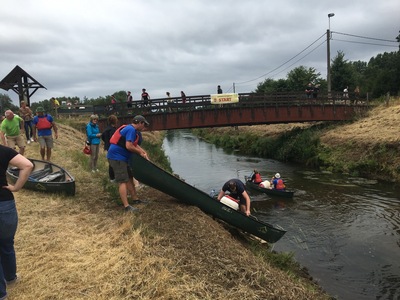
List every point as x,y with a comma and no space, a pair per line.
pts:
328,38
329,18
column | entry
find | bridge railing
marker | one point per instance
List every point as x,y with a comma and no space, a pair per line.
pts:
203,102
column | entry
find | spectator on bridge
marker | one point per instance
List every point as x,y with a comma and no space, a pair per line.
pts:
129,100
145,98
55,104
169,101
346,92
356,94
219,90
113,103
183,96
315,91
309,90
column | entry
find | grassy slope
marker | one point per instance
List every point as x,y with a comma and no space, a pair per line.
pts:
84,247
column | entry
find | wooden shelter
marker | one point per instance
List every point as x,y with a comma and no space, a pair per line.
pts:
22,83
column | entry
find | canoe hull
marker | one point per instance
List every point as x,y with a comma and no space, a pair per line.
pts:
271,192
46,177
151,175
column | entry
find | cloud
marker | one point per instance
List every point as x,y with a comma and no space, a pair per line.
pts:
94,48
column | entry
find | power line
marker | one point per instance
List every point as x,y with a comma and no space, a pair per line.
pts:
284,62
365,37
302,57
365,43
341,33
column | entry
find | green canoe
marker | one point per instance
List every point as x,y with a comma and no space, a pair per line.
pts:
151,175
45,177
271,192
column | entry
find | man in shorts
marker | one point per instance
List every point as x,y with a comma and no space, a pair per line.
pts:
10,131
42,126
124,142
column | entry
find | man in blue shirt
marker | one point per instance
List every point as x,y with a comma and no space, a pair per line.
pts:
125,141
43,124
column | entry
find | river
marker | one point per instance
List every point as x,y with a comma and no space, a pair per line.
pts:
344,230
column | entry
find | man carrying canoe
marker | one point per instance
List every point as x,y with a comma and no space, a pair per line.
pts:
123,143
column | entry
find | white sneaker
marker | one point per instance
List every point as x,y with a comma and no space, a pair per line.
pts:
32,139
13,281
28,142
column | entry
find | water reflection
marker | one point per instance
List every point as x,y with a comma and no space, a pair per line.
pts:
344,229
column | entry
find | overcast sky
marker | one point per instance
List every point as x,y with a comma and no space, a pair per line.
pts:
94,48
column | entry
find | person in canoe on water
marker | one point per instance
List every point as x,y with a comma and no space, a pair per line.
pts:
256,177
277,182
237,190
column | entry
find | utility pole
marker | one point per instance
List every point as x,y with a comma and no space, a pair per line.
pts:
328,52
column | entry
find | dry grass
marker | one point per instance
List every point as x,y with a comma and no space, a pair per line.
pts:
84,247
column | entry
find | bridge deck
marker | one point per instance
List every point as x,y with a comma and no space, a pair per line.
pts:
252,109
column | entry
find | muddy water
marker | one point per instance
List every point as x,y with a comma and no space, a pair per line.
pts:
345,230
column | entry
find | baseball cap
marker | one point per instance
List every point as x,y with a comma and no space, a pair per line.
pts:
40,109
137,119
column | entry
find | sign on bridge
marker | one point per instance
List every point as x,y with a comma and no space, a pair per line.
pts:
224,98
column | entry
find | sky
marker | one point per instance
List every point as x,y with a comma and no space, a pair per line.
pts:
93,48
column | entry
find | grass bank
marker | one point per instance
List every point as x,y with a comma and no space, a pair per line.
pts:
85,247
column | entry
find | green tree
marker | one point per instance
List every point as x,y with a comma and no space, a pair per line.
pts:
299,77
383,74
342,73
6,103
270,85
296,81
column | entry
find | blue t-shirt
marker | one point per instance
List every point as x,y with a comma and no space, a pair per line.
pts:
43,132
116,152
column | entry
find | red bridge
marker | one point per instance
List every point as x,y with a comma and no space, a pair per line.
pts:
252,109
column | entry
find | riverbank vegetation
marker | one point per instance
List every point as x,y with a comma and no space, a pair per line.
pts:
85,247
366,147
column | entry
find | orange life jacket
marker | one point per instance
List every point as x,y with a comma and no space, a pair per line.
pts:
257,178
43,123
280,185
118,139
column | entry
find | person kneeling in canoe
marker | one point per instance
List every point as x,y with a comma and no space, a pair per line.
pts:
277,182
256,177
237,190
